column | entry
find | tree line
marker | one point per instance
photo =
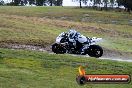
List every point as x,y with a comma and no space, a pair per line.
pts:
126,3
36,2
96,3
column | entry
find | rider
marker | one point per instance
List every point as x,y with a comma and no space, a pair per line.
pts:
73,34
73,38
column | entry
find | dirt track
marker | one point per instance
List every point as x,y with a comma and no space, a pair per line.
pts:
108,54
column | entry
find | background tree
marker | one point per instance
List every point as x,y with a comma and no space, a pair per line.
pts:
82,1
31,2
17,2
50,2
112,3
106,4
126,3
55,2
2,2
58,2
40,2
95,2
120,2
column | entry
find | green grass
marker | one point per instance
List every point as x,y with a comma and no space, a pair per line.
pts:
71,13
25,32
32,69
40,25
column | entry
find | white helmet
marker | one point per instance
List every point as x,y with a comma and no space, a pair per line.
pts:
72,33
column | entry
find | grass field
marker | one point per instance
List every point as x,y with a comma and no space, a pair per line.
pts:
31,69
39,26
32,25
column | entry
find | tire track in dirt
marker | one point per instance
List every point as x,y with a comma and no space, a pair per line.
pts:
108,54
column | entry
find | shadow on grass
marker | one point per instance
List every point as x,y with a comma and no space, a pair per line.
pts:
1,56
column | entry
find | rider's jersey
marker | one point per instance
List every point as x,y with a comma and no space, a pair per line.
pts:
74,36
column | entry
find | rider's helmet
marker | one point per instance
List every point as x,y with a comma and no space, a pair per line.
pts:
72,33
